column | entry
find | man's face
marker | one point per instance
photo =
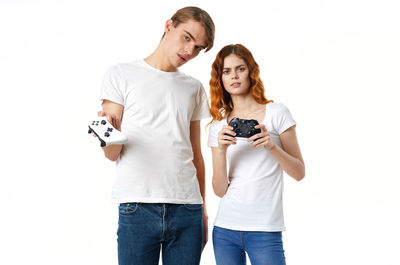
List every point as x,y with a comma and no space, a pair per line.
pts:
184,42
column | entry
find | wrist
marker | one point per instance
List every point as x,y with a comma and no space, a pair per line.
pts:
271,147
221,150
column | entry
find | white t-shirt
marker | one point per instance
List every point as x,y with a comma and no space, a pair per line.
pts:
253,201
155,166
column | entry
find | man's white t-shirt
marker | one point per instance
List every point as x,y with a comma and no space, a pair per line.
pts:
155,166
253,201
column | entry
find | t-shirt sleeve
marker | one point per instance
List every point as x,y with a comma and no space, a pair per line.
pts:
201,110
112,86
283,119
213,135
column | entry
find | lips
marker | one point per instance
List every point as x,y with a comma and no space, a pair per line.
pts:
182,58
236,84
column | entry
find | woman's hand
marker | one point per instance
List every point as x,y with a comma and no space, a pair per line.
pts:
262,139
226,140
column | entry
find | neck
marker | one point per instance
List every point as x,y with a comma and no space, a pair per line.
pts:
159,60
244,104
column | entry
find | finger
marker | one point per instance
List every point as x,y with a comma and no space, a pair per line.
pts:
226,131
227,127
101,113
257,136
260,126
259,142
226,142
118,123
226,137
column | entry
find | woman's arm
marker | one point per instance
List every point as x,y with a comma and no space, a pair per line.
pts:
289,156
220,183
220,178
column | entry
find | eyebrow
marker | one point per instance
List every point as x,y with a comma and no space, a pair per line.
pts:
236,66
187,32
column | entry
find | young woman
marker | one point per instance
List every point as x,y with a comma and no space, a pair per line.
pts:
250,215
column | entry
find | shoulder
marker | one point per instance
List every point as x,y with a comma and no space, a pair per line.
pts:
126,66
217,125
191,80
277,107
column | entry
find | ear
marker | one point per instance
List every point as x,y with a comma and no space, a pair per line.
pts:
168,26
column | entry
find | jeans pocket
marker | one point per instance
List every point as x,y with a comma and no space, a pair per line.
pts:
193,206
128,208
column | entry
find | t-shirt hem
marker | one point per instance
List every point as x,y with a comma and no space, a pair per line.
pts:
252,229
156,200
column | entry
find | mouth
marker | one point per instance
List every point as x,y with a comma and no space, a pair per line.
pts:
183,59
236,84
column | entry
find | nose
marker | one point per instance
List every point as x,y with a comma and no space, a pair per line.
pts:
235,75
189,49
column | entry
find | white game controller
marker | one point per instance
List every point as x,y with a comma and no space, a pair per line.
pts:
106,133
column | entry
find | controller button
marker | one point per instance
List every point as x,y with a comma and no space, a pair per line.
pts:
103,122
107,134
109,129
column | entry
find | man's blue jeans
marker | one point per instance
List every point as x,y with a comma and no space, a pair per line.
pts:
146,228
263,248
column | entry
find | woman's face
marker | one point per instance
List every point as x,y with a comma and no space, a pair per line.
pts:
235,75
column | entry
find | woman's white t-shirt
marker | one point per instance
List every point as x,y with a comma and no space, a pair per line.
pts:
253,201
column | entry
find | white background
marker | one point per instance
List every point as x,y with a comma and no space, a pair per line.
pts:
335,64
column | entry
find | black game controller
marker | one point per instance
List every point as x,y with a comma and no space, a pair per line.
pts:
244,128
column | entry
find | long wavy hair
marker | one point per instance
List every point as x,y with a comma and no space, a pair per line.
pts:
221,101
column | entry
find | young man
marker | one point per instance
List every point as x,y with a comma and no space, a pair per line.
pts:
160,182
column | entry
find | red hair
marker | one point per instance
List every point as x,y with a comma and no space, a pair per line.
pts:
221,101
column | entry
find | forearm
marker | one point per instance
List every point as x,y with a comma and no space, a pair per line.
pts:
200,172
292,166
112,152
220,178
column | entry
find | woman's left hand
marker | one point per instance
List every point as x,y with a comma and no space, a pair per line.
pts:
262,139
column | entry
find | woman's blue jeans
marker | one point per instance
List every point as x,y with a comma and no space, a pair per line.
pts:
263,248
146,228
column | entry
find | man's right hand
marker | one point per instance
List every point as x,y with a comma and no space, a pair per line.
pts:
113,112
112,118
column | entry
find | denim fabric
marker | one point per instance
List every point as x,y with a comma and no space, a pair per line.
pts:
146,228
263,248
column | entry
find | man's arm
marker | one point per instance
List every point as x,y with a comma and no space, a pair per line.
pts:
114,112
198,162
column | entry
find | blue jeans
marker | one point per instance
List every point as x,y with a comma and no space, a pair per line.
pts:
146,228
263,248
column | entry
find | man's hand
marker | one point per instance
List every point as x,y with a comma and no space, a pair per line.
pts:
205,229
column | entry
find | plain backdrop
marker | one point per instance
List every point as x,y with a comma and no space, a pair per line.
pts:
334,64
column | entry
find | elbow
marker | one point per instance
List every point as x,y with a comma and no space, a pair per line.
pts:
112,152
219,193
112,157
218,190
300,175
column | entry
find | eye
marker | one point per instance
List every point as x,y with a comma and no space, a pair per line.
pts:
186,37
241,69
225,72
199,48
